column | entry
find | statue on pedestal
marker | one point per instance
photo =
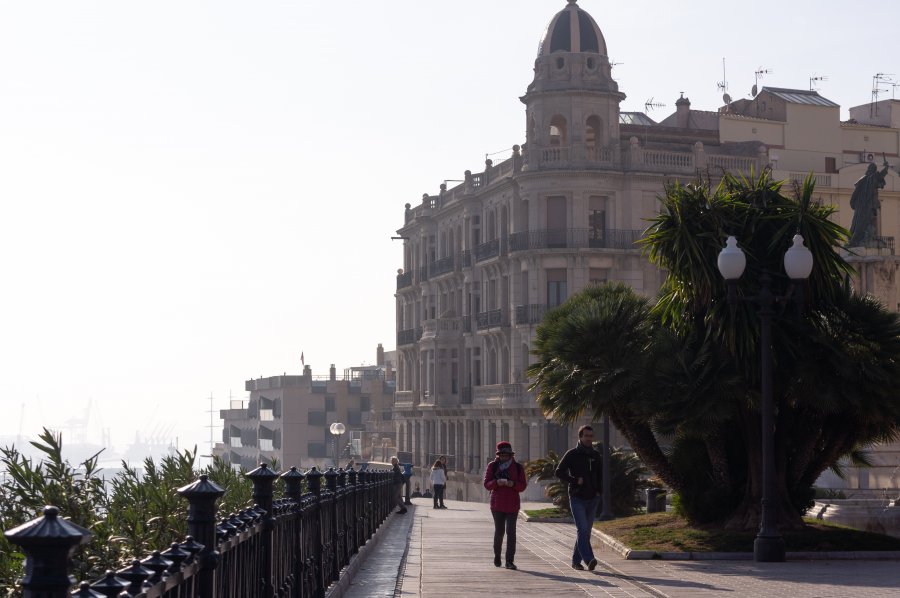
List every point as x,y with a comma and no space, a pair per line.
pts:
865,205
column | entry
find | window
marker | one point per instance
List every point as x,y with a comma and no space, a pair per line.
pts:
365,404
316,418
558,131
597,221
265,444
557,288
266,415
598,275
386,415
316,450
354,418
831,165
329,404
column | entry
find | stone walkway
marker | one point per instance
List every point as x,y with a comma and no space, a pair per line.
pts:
448,553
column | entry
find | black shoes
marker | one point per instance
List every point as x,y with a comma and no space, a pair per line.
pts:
578,566
496,561
592,565
511,566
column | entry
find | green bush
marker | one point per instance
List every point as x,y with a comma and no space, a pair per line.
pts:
129,515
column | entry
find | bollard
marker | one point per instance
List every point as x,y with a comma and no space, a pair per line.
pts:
48,542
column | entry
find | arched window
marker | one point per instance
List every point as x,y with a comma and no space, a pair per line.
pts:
559,134
593,134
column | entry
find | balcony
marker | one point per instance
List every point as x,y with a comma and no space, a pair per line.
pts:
404,280
465,396
405,399
466,323
409,336
442,328
508,395
486,251
574,238
530,314
466,259
441,266
493,318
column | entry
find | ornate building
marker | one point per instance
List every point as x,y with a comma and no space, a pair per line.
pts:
485,259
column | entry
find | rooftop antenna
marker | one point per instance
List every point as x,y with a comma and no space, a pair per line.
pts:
757,75
649,105
814,79
614,64
894,87
723,85
877,80
211,425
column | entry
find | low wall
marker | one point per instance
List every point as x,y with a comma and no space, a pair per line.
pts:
868,514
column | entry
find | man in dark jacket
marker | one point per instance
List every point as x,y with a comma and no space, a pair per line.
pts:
581,468
398,481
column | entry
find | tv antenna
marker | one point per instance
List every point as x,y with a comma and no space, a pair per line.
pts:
649,105
211,425
879,79
723,85
815,79
613,64
757,75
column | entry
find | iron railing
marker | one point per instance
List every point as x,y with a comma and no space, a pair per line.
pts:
292,547
441,266
574,238
530,314
487,250
409,336
490,319
404,280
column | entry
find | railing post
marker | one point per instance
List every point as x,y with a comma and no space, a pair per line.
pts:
353,532
331,477
314,483
293,484
202,496
263,479
48,542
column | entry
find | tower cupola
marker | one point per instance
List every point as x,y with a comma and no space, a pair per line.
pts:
572,104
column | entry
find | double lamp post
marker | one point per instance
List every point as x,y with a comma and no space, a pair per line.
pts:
798,262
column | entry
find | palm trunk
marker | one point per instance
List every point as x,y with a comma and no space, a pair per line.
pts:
643,441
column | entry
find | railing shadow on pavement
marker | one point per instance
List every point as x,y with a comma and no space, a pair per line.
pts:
292,547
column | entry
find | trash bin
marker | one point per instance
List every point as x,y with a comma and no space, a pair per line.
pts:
656,500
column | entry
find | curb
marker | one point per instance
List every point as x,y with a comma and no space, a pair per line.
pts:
632,555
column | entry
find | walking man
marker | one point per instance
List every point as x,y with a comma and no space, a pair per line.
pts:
581,468
398,481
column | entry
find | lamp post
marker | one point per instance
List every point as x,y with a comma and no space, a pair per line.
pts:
337,429
798,262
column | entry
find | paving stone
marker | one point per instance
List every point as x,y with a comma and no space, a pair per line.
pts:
448,552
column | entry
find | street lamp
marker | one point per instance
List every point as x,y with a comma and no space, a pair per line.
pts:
337,429
798,262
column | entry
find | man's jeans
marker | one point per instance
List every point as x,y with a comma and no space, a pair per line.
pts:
583,511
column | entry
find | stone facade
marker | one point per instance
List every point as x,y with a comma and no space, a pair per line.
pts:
485,259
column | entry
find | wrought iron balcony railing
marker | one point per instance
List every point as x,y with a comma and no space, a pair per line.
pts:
574,238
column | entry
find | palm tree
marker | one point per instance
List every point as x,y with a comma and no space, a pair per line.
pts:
680,378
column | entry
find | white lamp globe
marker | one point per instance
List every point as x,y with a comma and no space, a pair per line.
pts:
337,428
732,260
798,260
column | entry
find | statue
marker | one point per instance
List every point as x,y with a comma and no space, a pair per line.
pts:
865,205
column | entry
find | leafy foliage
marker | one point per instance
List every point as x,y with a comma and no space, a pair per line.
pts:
679,377
130,515
628,478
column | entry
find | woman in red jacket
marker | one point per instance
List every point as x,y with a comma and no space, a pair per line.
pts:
505,478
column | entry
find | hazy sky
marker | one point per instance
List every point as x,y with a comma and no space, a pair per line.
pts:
195,192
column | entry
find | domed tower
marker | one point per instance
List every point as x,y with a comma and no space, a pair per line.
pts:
572,106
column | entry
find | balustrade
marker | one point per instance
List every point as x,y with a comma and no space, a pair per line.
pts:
293,547
574,238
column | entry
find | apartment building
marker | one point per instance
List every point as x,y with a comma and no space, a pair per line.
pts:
288,417
485,259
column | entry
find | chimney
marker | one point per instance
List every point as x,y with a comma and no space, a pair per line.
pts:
332,373
379,355
682,112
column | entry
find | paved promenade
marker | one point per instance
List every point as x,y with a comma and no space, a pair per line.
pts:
434,553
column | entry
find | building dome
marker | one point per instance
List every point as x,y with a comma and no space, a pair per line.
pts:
572,30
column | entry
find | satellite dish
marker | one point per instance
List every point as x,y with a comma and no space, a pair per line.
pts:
754,90
726,98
